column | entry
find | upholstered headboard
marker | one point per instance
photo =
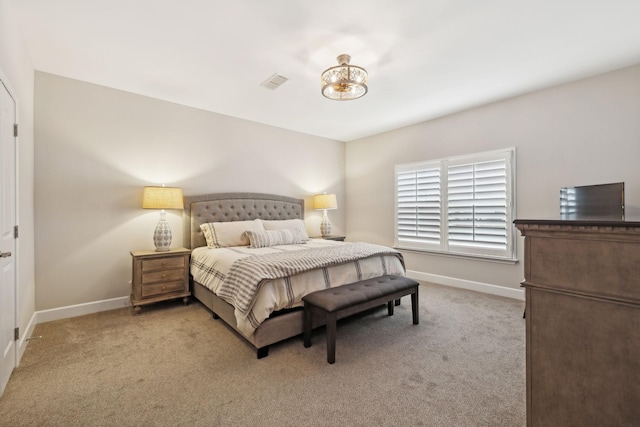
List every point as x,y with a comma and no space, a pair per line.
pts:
224,207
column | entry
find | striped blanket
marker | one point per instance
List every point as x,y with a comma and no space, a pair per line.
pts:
246,275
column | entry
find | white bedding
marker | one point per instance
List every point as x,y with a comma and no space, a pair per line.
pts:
210,266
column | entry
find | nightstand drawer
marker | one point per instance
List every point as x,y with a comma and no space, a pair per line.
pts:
163,276
162,263
162,288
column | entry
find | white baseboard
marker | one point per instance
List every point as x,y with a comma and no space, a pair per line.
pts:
114,303
468,284
81,309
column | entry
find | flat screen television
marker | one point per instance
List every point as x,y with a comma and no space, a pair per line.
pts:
593,201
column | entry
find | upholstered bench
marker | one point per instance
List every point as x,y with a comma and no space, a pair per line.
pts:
336,303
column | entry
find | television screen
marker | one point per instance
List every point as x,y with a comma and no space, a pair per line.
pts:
593,201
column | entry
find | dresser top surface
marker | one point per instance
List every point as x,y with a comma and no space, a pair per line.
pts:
582,221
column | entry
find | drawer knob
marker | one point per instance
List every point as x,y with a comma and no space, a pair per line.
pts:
164,288
164,275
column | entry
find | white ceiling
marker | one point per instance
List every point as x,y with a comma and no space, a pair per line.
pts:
425,58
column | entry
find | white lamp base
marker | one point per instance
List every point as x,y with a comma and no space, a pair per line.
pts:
325,225
162,235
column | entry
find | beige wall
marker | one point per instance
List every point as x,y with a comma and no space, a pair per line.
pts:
586,132
97,147
16,67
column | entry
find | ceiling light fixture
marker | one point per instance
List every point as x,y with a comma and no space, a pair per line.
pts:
344,82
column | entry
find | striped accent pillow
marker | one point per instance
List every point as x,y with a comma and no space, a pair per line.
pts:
278,224
226,234
263,239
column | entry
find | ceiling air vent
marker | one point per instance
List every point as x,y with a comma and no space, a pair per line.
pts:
274,82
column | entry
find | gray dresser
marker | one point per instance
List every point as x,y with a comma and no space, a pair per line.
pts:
582,285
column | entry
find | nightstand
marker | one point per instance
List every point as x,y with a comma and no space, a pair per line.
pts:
336,238
159,276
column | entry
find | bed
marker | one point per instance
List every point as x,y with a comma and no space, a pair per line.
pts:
260,325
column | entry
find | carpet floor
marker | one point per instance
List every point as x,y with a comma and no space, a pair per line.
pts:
174,365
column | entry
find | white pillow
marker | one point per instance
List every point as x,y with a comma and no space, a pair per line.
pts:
297,224
225,234
262,239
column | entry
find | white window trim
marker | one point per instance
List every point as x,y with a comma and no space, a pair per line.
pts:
443,247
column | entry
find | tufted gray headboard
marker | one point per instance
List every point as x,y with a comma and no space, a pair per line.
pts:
224,207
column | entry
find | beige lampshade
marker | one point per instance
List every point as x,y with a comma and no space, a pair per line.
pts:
325,201
162,198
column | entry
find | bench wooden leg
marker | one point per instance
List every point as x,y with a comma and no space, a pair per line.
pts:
307,326
398,301
332,319
262,352
390,308
414,307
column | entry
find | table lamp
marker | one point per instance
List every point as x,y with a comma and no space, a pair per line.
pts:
162,198
325,202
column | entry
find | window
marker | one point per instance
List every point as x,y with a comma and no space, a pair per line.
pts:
462,205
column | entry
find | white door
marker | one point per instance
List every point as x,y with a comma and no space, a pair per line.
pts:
8,320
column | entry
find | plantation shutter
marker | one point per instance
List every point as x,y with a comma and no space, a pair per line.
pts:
478,206
418,209
460,205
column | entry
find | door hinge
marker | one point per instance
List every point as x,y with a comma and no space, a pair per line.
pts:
15,130
16,334
15,232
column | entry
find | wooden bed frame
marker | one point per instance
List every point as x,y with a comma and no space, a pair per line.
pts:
225,207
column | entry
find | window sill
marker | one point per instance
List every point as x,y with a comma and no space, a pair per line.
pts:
459,255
